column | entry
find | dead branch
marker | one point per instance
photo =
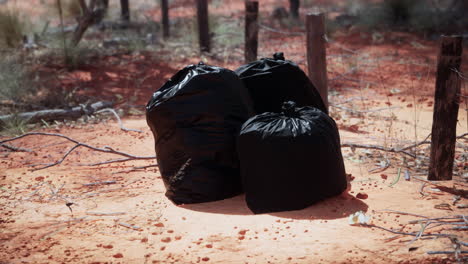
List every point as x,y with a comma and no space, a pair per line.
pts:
99,183
365,111
118,120
129,226
446,252
109,162
13,148
105,214
365,146
407,233
78,144
136,169
55,114
394,150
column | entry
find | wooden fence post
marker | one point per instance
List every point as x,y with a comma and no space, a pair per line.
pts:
446,104
316,54
125,8
251,30
203,28
165,18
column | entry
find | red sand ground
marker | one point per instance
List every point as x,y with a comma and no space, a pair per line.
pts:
36,226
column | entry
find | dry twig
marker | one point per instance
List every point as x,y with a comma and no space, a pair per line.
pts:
13,148
118,120
78,144
402,150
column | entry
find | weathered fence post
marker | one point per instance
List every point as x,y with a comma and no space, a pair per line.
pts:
203,28
125,8
446,104
251,30
165,18
316,53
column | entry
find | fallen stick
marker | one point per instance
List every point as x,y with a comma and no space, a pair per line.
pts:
118,120
394,150
105,214
56,114
109,162
446,252
136,169
99,183
456,217
364,146
403,213
105,149
130,226
13,148
406,233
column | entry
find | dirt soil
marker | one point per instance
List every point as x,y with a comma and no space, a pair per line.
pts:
381,93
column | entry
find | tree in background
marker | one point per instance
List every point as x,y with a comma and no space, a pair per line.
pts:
294,8
125,10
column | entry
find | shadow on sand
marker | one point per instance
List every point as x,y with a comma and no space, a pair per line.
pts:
332,208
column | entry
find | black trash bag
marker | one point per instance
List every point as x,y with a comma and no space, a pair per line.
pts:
274,81
290,160
195,118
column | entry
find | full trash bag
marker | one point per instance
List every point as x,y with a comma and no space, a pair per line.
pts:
272,81
290,160
195,118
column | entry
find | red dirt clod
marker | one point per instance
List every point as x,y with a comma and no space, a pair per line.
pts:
362,196
166,239
243,231
108,246
118,255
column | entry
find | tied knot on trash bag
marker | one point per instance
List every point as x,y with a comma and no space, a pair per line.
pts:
278,56
289,109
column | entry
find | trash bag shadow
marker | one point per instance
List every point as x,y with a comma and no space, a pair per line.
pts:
333,208
231,206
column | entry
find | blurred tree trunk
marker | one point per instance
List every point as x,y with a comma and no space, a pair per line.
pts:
294,8
124,5
90,16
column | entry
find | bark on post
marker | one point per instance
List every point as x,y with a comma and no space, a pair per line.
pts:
316,54
203,28
251,30
125,7
165,18
446,104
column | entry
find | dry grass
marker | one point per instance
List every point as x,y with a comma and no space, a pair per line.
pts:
12,28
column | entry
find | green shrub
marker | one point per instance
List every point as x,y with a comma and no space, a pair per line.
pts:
16,81
12,28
